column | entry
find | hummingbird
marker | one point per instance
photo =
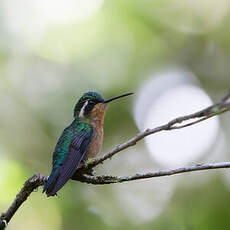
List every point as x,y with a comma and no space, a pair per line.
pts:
81,140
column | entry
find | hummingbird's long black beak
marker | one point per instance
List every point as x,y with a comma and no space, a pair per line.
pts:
114,98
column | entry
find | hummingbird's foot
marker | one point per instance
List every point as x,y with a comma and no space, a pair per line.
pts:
84,163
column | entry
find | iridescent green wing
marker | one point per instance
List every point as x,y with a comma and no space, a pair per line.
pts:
66,163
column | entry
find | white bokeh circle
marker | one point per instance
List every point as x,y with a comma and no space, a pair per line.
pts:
180,146
166,95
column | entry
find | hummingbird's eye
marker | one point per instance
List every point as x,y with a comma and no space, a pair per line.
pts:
90,102
89,106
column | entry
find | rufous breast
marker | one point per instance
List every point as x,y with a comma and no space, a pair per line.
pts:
97,121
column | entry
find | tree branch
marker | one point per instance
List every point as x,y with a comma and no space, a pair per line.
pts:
29,186
108,179
200,116
39,180
82,173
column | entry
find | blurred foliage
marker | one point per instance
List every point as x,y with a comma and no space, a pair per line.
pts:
44,72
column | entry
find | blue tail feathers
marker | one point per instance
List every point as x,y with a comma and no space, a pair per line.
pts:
50,182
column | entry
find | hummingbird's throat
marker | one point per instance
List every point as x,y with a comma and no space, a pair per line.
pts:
96,115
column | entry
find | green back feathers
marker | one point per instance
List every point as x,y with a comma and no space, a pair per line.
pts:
63,143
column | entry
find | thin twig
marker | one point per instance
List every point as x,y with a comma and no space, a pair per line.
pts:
200,116
108,179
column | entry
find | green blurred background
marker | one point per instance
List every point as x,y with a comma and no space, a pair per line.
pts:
53,51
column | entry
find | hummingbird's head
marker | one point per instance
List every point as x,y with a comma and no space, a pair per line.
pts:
92,105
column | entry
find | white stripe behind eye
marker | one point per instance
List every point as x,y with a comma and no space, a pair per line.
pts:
81,114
